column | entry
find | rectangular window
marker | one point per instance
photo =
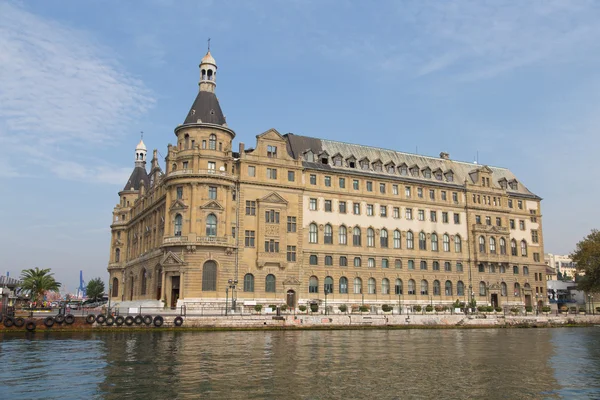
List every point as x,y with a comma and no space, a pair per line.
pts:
313,179
534,236
382,188
328,205
272,151
498,221
342,205
272,217
291,253
204,144
455,197
407,191
371,263
433,216
249,238
271,173
432,195
456,218
185,165
478,219
445,217
212,192
328,181
408,213
313,204
383,211
291,224
459,267
411,264
396,212
395,190
251,170
421,215
521,224
356,208
250,207
355,184
488,220
212,165
180,192
420,193
271,246
342,183
369,186
520,204
443,195
398,263
370,210
512,223
536,257
291,176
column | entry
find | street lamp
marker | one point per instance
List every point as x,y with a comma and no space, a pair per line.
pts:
326,292
231,283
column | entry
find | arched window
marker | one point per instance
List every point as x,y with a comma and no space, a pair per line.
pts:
209,276
517,289
211,225
410,240
144,279
385,263
502,269
527,286
523,248
371,285
343,261
397,239
446,242
248,283
313,259
515,270
447,266
313,285
313,235
178,224
436,266
457,244
422,241
434,242
357,285
187,141
383,238
270,283
448,288
503,289
481,244
343,285
436,288
115,287
328,234
492,245
398,287
117,255
460,288
502,246
411,287
328,287
343,235
370,237
424,287
525,270
385,286
513,247
357,261
482,288
356,236
212,141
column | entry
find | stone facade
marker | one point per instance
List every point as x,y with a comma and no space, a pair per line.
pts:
302,220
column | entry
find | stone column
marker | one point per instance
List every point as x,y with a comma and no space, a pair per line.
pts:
163,294
181,284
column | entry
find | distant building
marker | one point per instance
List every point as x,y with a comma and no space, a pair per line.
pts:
562,264
7,292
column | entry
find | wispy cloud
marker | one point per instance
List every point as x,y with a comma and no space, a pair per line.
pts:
58,87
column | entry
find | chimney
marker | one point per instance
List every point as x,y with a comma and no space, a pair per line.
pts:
444,156
242,147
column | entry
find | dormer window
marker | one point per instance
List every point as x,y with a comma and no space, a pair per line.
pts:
414,171
377,166
503,183
309,156
364,164
450,176
427,173
337,161
391,168
404,170
514,185
351,162
272,151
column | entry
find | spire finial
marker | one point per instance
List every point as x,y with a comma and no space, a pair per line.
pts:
208,44
142,135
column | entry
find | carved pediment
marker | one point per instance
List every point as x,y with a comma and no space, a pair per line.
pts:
273,198
270,134
178,205
171,259
213,204
291,282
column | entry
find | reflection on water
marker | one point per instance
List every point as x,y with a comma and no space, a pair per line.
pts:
374,364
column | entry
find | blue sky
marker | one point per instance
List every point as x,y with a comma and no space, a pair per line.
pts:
516,82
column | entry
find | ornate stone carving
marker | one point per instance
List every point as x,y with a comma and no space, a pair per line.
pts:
291,281
272,230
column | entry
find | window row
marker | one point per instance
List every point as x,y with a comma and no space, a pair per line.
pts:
449,289
501,268
188,143
385,241
423,265
483,246
211,225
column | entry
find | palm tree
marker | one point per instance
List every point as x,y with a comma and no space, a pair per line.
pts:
38,281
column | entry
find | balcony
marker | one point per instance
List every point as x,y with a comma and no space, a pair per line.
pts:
201,173
490,229
226,241
175,239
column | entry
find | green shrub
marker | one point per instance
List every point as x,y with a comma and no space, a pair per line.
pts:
564,308
302,308
581,309
258,307
429,308
343,308
546,309
439,308
514,310
498,309
489,308
314,307
284,307
418,308
386,308
272,306
363,308
572,309
481,308
528,308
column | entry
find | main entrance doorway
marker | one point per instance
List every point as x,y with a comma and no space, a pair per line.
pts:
291,299
528,300
494,300
174,291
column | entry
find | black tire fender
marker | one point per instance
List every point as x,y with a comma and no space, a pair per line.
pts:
178,321
30,326
119,320
138,320
69,319
129,320
19,322
101,319
49,322
110,320
59,319
90,318
148,319
158,321
8,322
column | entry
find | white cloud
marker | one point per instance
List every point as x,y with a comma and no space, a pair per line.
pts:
59,87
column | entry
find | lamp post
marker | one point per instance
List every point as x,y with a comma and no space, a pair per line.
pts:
326,291
231,284
226,300
537,305
589,302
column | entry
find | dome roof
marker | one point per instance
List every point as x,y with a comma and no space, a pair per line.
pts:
208,59
141,145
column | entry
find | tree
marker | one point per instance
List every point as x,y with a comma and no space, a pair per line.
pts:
587,257
37,281
94,288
